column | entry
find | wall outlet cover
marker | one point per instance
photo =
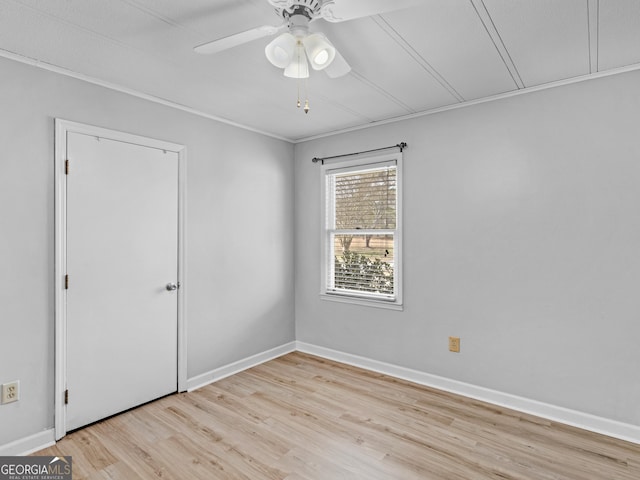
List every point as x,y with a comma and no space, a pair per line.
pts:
10,392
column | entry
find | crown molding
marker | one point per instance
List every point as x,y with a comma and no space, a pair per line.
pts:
135,93
470,103
168,103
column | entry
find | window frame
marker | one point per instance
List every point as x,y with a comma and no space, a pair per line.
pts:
339,165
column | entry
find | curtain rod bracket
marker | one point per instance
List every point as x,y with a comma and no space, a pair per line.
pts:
401,146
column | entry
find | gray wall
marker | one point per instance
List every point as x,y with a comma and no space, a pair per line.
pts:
240,231
521,236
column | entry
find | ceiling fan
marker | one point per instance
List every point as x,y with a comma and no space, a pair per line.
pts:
297,47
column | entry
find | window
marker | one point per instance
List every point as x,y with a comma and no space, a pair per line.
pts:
361,236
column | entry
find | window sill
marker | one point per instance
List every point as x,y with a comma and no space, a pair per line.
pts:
365,302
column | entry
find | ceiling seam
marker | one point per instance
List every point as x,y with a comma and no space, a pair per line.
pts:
598,41
341,106
589,35
106,38
498,43
381,91
593,28
74,25
386,27
153,13
113,40
196,33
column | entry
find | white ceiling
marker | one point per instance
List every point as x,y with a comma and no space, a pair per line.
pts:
438,54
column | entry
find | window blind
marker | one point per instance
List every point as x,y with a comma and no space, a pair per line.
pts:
361,221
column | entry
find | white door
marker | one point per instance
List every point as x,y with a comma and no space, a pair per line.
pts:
122,251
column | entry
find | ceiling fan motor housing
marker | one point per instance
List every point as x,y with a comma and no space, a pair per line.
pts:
310,9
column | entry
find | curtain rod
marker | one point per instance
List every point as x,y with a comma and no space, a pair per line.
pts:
401,146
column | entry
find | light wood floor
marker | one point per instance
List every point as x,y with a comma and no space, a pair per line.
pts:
301,417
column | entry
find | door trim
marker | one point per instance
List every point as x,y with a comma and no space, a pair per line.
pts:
62,128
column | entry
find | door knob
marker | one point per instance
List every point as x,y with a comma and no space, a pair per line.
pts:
171,287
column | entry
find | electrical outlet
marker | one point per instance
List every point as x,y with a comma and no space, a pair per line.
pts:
10,392
454,344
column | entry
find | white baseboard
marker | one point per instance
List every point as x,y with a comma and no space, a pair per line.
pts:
47,438
585,421
30,444
236,367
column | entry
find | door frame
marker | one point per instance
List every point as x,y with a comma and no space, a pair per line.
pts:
62,128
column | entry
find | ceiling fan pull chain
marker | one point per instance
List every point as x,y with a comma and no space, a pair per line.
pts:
306,96
299,79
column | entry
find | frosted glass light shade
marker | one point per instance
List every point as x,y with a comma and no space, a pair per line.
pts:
298,68
319,50
281,50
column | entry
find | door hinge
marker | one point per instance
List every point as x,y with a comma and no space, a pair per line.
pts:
66,167
66,282
66,397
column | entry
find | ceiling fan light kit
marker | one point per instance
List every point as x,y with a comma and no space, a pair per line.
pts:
298,67
319,50
296,49
280,51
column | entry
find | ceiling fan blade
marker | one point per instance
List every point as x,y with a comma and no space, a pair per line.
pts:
237,39
341,11
338,67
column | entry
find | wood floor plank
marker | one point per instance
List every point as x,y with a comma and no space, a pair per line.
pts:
301,417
